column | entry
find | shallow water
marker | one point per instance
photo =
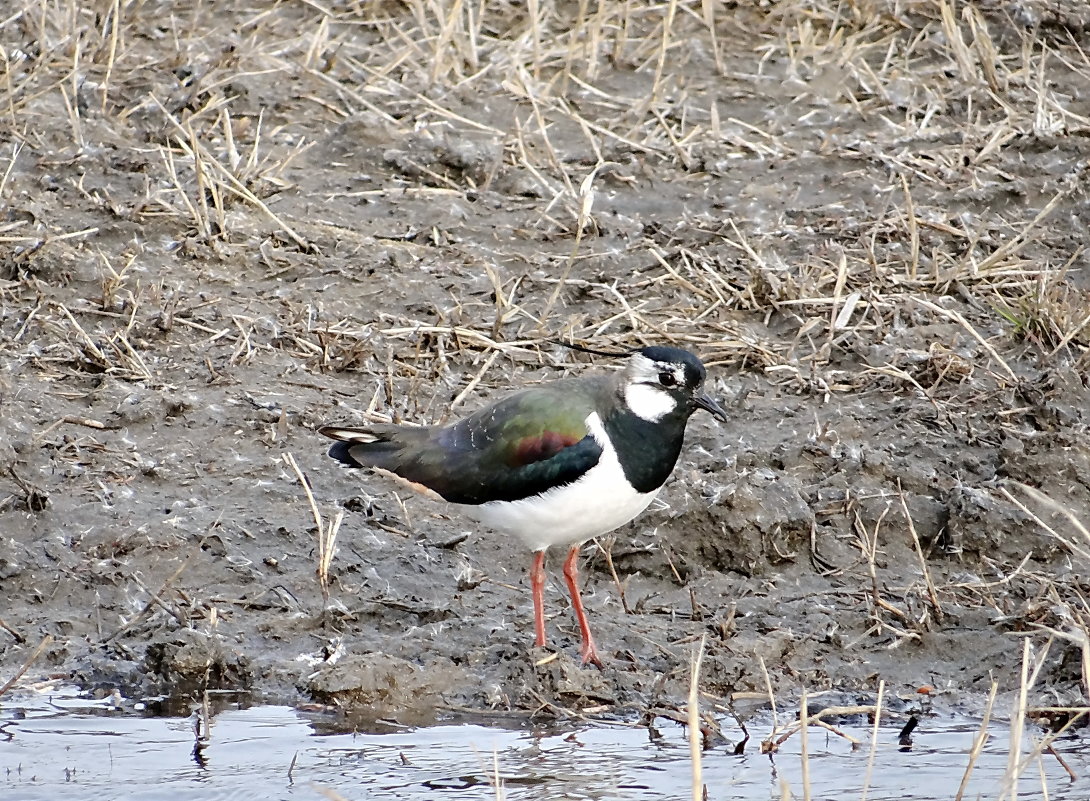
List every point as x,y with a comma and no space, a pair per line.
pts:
65,747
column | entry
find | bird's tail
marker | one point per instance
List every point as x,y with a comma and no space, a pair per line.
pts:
374,446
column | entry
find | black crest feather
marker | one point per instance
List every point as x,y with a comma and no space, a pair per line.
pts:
584,349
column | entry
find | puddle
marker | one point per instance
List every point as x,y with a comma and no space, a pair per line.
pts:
65,747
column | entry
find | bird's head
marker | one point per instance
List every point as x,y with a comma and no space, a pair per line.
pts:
660,381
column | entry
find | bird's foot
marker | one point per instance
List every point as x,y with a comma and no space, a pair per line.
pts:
590,655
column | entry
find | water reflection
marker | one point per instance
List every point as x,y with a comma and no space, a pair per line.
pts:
64,747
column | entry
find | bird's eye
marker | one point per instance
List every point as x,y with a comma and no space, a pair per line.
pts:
667,379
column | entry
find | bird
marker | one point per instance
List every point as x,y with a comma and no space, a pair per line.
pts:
555,464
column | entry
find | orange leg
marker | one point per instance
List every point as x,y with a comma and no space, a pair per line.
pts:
571,574
537,587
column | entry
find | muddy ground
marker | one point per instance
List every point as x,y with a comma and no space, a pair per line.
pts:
226,225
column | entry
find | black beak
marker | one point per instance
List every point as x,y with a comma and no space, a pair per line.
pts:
707,403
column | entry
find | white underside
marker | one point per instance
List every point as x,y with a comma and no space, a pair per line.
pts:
600,501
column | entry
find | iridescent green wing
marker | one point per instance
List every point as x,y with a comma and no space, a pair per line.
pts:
519,447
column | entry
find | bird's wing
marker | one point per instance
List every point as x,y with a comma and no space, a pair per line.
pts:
516,448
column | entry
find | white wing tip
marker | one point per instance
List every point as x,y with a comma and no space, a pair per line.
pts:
356,435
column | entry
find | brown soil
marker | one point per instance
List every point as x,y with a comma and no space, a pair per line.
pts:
225,226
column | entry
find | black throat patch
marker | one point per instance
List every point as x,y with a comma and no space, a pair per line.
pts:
647,450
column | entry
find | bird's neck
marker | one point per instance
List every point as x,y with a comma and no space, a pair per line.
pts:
646,450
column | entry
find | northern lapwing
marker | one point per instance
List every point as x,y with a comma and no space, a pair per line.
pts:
555,464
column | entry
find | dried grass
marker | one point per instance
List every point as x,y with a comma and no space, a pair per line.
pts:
212,156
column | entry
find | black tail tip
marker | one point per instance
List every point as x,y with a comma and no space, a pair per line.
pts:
341,451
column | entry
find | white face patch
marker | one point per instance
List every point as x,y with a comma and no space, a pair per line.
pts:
644,394
648,402
642,370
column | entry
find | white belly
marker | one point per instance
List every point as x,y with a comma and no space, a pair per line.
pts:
595,504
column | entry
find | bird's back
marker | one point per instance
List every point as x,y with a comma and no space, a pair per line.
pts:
518,447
